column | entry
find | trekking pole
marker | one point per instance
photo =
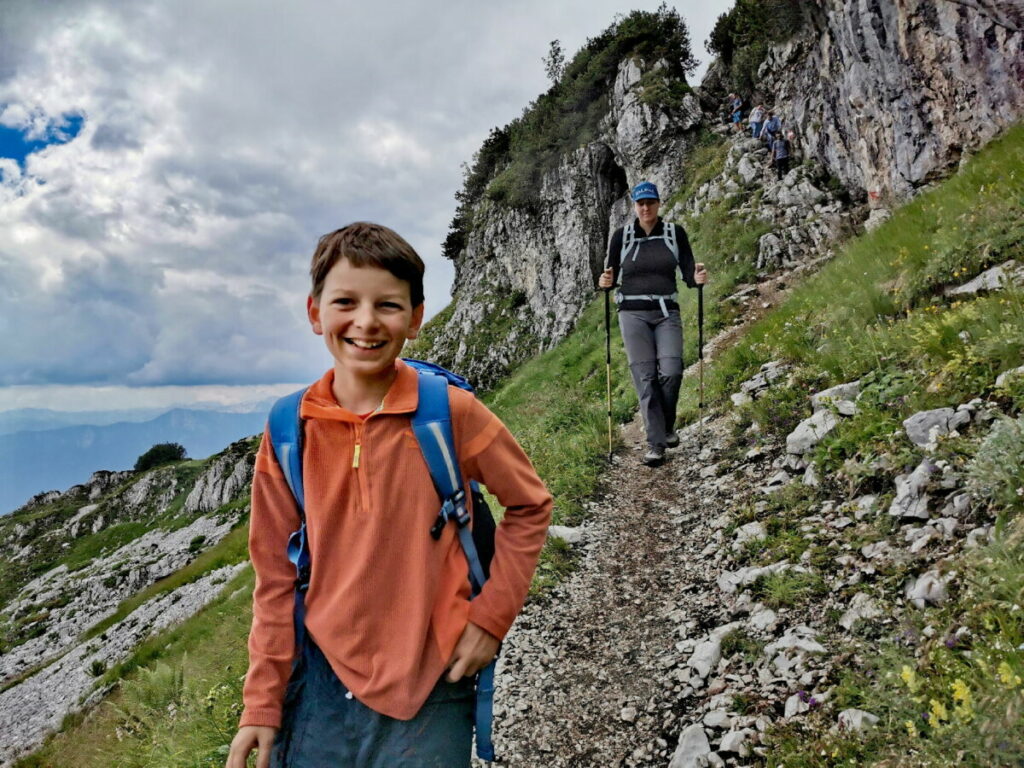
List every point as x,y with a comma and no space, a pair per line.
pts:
608,362
700,365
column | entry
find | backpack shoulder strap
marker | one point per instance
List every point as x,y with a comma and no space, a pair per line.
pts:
628,238
432,425
285,427
671,239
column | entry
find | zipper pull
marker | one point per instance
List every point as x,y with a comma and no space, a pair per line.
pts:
355,456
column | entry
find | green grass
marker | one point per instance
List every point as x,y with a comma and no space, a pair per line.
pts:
556,406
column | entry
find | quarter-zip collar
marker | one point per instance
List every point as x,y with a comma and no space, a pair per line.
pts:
402,397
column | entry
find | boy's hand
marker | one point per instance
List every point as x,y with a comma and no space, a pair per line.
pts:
473,652
249,737
605,281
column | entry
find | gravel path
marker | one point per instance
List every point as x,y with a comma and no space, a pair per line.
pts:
591,675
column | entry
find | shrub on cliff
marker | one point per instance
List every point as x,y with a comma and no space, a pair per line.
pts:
741,37
161,453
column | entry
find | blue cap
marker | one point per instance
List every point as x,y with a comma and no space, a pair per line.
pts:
645,190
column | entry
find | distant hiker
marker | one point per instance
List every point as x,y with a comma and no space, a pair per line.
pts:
373,663
728,108
646,254
771,127
736,111
756,120
779,155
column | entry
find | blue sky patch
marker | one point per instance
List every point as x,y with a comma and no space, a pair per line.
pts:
15,145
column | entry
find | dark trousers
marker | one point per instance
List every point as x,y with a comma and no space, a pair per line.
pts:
782,166
654,348
325,727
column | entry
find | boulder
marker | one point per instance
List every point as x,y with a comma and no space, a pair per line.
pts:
810,432
862,607
924,427
566,534
911,501
754,531
1006,376
928,588
693,746
877,218
856,720
1008,273
834,396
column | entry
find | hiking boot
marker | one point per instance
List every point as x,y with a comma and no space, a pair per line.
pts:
672,439
654,456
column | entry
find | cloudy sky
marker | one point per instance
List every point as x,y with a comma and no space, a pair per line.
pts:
167,166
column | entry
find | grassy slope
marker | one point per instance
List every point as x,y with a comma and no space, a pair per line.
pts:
947,683
889,326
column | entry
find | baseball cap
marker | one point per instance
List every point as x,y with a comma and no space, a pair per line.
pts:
645,190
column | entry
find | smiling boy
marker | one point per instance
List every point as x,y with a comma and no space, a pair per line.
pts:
383,672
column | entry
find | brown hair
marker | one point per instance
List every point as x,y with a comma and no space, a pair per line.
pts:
366,244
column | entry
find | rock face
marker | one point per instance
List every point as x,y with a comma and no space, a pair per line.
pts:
889,95
524,276
884,97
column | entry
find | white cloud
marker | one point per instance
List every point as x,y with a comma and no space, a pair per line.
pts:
168,242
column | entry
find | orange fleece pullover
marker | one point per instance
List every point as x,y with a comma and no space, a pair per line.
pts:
386,602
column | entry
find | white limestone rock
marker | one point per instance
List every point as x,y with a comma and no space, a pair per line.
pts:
911,501
693,746
856,720
811,431
1006,274
929,588
567,534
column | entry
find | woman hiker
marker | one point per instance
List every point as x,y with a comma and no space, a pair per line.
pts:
645,254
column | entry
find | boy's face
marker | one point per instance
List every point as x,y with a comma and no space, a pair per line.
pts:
365,315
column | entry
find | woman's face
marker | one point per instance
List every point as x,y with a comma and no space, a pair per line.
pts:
647,212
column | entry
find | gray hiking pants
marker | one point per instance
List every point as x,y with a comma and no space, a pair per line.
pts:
654,348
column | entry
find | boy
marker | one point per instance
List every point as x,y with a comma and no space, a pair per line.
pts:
392,641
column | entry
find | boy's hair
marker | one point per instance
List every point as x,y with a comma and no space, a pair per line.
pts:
366,244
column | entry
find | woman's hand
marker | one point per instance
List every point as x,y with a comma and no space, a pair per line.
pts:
473,652
605,281
249,737
700,275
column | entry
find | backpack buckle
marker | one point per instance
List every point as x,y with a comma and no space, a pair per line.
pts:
302,579
453,508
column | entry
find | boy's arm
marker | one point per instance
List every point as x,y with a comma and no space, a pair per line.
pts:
489,454
272,639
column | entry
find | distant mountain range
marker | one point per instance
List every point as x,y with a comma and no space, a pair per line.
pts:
33,460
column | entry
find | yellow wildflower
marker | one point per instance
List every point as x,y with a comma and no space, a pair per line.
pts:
1007,675
911,728
961,693
910,678
938,714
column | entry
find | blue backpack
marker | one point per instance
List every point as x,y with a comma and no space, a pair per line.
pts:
431,423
